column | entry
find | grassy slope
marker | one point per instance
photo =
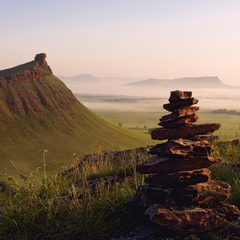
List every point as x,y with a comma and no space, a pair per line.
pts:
62,132
17,69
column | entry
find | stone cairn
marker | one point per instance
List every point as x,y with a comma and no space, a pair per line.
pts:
180,194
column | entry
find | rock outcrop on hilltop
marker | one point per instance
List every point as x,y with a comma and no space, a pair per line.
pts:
41,59
179,193
30,72
25,91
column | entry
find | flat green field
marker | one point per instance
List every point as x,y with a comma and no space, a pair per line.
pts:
142,121
142,113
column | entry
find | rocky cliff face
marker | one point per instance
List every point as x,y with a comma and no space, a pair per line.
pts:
29,72
31,90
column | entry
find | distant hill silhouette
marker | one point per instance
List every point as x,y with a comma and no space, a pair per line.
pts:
83,78
180,83
38,111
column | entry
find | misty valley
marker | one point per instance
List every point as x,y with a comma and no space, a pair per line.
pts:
140,113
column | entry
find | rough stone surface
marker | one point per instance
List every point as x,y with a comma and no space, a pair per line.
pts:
186,219
201,195
172,106
178,95
167,164
210,193
179,178
182,112
183,121
183,147
41,58
184,132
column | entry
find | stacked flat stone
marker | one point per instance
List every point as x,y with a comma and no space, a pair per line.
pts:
180,194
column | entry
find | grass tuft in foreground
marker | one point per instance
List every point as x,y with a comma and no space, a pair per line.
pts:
86,201
69,206
229,169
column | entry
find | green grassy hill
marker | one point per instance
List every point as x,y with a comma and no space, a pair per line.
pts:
37,112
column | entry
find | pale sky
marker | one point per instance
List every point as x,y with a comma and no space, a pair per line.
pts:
136,38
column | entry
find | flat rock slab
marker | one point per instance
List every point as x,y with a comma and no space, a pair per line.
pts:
170,164
182,112
172,106
179,178
183,147
186,219
183,121
184,132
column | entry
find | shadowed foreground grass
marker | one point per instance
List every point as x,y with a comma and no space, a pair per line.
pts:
58,209
67,206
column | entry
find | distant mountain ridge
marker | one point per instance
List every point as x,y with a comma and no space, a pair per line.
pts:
180,83
177,83
82,78
88,78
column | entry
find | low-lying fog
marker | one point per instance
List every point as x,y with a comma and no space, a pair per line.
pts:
115,95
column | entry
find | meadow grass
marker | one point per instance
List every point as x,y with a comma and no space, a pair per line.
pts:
67,206
229,169
45,115
64,206
18,69
142,121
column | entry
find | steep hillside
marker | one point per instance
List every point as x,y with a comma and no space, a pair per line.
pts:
37,112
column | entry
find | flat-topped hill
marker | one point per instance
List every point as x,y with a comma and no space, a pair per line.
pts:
37,112
188,82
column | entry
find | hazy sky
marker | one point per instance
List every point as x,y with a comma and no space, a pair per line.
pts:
135,38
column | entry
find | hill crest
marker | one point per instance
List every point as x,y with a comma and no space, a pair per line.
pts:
26,91
27,72
38,111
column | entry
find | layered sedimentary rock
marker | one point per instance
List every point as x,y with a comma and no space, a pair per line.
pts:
184,131
166,164
200,195
186,219
180,193
32,71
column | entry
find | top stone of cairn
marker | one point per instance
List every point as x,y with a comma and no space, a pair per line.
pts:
179,99
178,95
